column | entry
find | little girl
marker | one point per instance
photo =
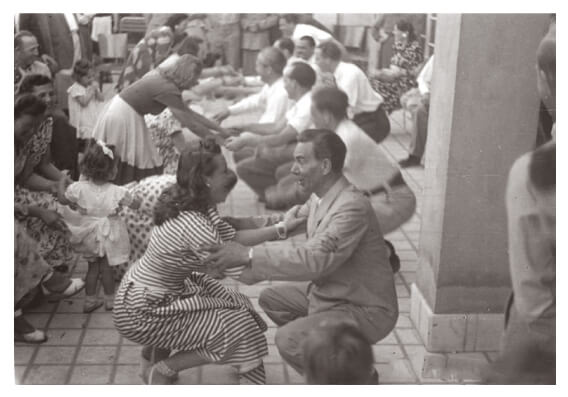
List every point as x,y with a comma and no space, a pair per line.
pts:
85,101
96,229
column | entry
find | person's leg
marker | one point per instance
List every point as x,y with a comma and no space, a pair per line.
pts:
232,46
165,371
394,210
107,278
418,142
285,303
91,280
376,124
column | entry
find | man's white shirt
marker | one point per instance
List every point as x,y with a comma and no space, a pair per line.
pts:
361,96
273,99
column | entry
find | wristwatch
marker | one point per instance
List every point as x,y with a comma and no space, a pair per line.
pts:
281,230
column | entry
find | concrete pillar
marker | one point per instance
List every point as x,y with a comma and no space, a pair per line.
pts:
483,115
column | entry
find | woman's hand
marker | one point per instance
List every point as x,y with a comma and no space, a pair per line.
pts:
221,115
61,187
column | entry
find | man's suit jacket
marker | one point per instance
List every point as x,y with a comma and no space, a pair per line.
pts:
344,256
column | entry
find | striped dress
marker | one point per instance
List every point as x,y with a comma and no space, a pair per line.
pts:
164,301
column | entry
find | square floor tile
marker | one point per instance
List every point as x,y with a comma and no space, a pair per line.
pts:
38,320
96,355
385,353
101,337
390,339
402,291
219,375
91,375
129,355
47,375
408,336
69,320
58,336
101,320
55,355
404,305
23,353
403,321
44,307
127,375
70,306
395,371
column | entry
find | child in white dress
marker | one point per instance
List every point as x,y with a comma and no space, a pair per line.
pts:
97,231
85,101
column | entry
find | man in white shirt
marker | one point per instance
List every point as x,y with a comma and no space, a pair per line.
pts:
364,103
26,58
272,99
420,118
275,142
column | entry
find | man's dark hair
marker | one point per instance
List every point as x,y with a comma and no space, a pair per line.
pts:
18,37
33,80
275,58
304,74
286,43
29,104
327,145
331,99
330,49
309,39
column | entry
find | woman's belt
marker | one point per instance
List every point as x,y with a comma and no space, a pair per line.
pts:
392,182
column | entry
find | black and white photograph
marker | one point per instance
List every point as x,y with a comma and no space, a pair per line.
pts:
349,198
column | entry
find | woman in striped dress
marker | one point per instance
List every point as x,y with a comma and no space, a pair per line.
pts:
165,303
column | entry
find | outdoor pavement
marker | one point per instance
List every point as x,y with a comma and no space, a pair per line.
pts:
86,349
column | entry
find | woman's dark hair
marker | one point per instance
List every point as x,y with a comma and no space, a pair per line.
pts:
81,69
189,45
174,20
327,145
542,168
332,100
33,80
96,165
29,104
405,26
190,192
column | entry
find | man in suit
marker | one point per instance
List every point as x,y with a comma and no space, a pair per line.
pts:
342,269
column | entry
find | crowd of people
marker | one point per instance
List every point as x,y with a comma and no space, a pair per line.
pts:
117,182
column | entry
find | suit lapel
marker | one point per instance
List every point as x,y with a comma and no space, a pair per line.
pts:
326,202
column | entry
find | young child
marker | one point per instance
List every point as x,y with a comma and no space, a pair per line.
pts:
338,354
97,231
85,101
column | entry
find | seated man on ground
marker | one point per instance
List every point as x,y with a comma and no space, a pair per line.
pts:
286,45
365,105
342,269
272,99
275,142
26,58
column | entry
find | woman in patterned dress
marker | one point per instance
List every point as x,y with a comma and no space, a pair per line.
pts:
394,81
167,304
37,183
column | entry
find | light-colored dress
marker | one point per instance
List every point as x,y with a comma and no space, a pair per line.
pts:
95,227
83,118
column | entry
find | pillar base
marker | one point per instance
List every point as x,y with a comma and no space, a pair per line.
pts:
456,332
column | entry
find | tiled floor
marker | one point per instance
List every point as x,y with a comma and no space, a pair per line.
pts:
85,348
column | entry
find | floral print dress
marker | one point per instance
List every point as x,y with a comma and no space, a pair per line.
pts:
408,57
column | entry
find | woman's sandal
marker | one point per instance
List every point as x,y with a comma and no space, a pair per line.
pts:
145,367
155,377
75,286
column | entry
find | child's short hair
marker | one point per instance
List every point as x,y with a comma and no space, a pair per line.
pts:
337,354
97,164
81,69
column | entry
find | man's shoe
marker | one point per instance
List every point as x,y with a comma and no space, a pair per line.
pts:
410,161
